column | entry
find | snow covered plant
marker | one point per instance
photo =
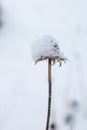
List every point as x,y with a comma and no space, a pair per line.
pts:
47,48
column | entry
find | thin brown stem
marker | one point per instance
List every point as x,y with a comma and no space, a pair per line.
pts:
49,94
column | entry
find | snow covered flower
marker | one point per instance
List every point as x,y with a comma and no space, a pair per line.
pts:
47,47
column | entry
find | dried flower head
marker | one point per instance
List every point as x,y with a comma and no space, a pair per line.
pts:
45,48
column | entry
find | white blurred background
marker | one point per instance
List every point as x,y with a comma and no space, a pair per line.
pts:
23,86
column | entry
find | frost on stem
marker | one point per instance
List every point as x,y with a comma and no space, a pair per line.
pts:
45,48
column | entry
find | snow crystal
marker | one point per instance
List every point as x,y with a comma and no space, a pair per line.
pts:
45,46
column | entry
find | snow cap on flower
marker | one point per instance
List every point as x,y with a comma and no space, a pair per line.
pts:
46,46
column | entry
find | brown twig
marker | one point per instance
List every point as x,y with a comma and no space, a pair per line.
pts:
49,94
51,61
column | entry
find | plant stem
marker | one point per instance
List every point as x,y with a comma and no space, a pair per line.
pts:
49,94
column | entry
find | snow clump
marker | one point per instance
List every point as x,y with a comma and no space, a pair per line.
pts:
46,46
